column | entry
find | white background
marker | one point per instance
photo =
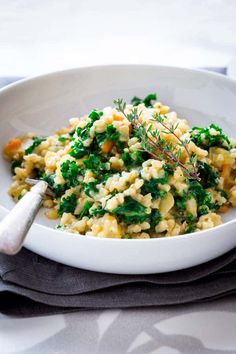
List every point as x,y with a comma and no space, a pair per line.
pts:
46,35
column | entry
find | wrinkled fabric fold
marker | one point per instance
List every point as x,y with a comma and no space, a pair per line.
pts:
31,285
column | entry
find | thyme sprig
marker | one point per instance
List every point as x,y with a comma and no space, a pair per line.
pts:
182,143
154,144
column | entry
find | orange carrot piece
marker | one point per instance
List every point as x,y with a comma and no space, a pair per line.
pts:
223,209
117,118
107,146
13,144
226,171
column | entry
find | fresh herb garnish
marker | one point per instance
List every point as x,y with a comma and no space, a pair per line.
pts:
155,144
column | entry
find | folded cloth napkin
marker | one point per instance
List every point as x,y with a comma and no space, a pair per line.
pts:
32,285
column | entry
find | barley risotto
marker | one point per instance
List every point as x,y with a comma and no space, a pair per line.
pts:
129,171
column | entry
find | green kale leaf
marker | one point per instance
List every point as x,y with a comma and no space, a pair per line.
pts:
155,217
58,189
67,204
37,140
78,150
99,211
90,187
208,175
85,211
151,186
147,100
14,164
131,211
70,172
203,138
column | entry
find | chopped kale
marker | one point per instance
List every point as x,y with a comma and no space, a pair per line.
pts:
37,140
131,211
94,115
151,186
132,159
198,192
14,164
208,175
62,138
90,187
203,210
169,169
72,132
58,189
203,138
190,217
85,211
95,164
67,204
190,228
105,175
147,100
155,217
78,150
180,202
99,211
83,134
92,163
203,198
70,172
110,134
223,193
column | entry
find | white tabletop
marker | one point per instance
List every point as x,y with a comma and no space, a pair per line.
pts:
194,328
42,36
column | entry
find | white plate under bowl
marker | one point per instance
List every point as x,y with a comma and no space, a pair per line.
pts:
45,103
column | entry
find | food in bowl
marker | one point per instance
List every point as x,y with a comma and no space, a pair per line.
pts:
129,171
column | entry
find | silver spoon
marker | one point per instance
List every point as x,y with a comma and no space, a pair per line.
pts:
14,227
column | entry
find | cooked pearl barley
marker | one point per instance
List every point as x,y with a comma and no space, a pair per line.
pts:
117,178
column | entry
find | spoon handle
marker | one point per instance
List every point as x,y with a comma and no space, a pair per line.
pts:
14,227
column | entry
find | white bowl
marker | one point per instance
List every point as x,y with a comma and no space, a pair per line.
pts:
45,103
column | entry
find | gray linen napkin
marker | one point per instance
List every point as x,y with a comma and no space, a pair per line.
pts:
31,285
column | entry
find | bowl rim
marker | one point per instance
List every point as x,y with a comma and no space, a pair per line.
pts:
45,76
31,78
